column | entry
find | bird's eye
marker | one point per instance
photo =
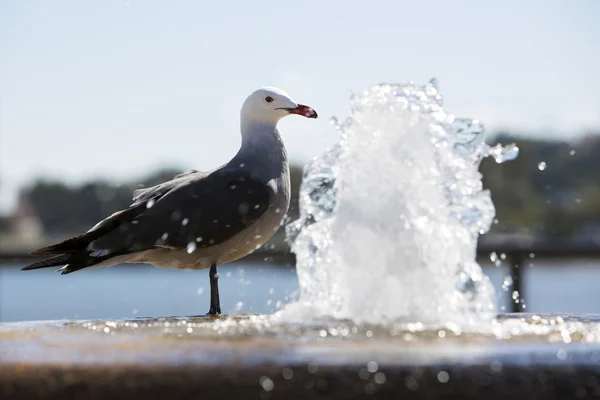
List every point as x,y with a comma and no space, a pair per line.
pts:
268,99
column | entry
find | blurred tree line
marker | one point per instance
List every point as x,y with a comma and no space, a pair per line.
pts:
551,190
560,200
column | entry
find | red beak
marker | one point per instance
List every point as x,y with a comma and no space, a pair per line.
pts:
303,110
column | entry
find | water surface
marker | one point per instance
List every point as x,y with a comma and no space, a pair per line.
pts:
135,291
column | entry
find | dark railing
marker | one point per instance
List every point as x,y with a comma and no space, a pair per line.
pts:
516,254
519,252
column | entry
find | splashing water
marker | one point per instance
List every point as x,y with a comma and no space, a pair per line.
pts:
391,214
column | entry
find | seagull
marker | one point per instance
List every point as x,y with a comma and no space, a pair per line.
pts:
198,220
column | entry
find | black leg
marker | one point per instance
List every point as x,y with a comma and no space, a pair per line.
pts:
215,304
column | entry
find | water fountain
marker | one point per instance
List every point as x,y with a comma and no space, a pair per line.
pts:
391,215
392,300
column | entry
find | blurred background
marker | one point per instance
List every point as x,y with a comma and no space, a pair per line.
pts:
98,99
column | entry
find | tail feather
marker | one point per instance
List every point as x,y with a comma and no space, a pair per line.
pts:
80,243
72,245
74,254
49,262
71,262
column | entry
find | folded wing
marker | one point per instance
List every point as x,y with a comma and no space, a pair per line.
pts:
206,209
203,209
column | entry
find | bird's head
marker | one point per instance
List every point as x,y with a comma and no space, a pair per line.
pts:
270,104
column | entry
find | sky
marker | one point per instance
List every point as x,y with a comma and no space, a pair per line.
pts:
120,88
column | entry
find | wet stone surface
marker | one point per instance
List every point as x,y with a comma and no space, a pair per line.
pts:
243,356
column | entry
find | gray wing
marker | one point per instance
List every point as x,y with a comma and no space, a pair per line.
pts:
144,194
203,209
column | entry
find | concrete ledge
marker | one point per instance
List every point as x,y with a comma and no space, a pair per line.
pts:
66,360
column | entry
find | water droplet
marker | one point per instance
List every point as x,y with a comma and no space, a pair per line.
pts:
411,383
434,82
502,154
561,354
287,374
379,378
496,366
191,247
242,165
243,208
266,383
184,222
372,367
493,257
199,239
363,374
165,236
200,291
572,153
542,166
238,306
150,203
515,296
507,283
443,377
